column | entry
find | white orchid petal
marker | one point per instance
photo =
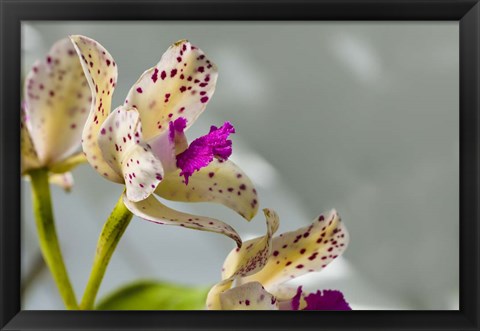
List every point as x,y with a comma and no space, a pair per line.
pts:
101,72
251,296
57,103
305,250
28,157
142,172
180,85
153,210
219,182
124,150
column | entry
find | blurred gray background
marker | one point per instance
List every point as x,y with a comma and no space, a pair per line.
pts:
357,116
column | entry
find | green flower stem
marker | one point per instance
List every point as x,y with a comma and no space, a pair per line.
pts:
47,235
112,231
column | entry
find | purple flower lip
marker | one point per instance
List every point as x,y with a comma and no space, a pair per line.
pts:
321,300
204,149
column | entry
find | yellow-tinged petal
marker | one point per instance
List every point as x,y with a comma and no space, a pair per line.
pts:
28,157
213,297
64,180
180,85
305,250
219,182
153,210
57,101
69,163
253,255
248,259
101,72
124,150
250,296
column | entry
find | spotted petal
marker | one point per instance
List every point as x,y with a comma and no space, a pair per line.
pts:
220,182
180,85
101,72
308,249
153,210
56,103
251,296
245,260
124,150
253,255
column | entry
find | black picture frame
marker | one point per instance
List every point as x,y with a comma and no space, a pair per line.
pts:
466,12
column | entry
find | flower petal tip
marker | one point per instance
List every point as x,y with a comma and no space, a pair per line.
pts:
180,42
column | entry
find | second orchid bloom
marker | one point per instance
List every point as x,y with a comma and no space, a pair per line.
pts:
142,143
253,276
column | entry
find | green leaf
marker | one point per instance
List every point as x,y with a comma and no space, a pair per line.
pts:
155,295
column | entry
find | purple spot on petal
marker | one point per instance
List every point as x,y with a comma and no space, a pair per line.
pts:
155,75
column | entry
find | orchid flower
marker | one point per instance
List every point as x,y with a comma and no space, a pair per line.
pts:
142,144
54,111
253,275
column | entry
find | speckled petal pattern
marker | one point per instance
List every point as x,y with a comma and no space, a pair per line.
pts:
180,85
153,210
123,148
254,254
305,250
248,259
57,101
219,182
251,296
101,72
